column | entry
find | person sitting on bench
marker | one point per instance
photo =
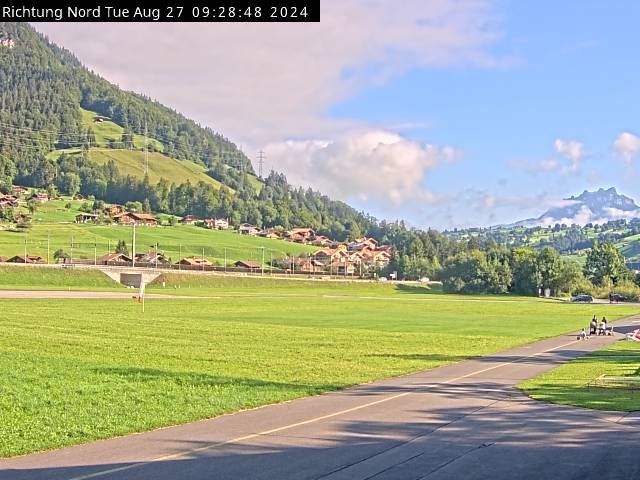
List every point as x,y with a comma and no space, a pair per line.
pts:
602,329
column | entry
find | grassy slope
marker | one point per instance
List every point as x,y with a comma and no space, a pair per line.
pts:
568,384
108,130
97,368
29,278
170,239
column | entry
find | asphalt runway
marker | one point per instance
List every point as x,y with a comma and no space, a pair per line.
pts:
461,421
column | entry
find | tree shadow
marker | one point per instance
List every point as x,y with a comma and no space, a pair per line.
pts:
513,439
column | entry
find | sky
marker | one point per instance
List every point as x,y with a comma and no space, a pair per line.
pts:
444,113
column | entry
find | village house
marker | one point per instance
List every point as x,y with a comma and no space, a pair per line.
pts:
129,218
152,258
321,241
269,233
114,259
40,197
247,265
248,229
3,258
18,190
310,266
216,223
114,210
343,268
78,196
189,220
196,262
300,235
380,258
32,259
363,242
86,218
329,255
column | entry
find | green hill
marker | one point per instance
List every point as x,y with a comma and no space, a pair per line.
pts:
132,162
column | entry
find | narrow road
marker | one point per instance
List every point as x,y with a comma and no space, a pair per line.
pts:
461,421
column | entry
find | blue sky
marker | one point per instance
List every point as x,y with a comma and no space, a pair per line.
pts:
446,113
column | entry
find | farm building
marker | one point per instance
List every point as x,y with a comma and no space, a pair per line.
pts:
114,258
196,262
86,218
300,235
269,233
128,218
28,259
247,265
114,210
40,197
153,258
189,220
248,229
18,190
216,223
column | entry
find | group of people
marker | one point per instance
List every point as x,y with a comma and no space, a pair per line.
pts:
595,328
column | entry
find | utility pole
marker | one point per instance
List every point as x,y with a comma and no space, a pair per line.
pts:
25,249
203,259
261,158
48,246
71,254
95,251
225,259
180,256
262,272
133,246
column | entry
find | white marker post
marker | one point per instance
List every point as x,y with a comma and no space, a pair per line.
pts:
141,294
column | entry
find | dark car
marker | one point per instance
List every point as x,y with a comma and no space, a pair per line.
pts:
583,299
616,298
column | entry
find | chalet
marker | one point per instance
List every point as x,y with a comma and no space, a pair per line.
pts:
330,255
40,197
196,262
300,235
78,196
98,119
129,218
216,223
380,258
269,233
247,265
114,210
114,258
189,220
3,258
248,229
18,190
86,218
343,268
311,266
321,241
28,259
363,242
153,258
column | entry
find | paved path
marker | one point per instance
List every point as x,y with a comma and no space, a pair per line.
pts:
462,421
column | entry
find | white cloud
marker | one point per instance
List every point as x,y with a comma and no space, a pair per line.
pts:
259,83
627,146
573,151
363,164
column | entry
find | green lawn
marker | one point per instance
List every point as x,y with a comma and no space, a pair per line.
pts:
569,384
176,242
77,370
16,277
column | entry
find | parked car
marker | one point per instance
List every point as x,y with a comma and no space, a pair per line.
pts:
616,298
582,299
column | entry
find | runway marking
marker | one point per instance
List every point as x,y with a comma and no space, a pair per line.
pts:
304,422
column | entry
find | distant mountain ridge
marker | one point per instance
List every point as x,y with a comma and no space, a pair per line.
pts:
600,206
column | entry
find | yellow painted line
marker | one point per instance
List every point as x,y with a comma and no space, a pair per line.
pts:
305,422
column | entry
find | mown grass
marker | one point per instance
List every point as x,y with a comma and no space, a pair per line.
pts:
77,370
176,242
573,383
32,278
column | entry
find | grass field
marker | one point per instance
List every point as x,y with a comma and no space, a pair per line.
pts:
176,242
77,370
32,278
569,384
133,162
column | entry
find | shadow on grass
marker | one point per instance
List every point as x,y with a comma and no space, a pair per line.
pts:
530,441
199,379
416,289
